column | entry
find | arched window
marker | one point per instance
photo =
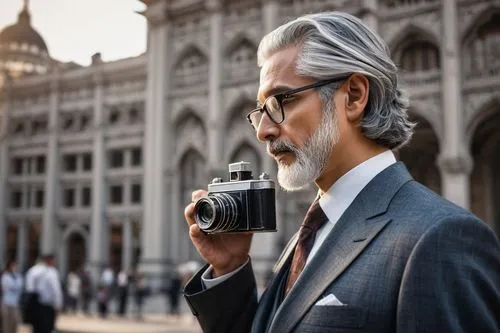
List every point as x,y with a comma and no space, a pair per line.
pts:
191,69
241,60
419,55
482,48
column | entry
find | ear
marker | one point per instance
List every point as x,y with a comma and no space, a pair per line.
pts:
356,96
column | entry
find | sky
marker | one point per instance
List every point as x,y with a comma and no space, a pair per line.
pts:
75,29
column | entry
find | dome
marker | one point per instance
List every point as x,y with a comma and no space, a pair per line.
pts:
22,33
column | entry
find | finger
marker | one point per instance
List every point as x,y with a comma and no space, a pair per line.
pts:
195,231
189,214
198,194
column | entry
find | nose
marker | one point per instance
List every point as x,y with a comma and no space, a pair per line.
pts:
267,130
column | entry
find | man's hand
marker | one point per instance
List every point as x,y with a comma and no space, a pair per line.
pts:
226,251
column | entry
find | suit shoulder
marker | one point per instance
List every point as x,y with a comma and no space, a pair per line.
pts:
417,208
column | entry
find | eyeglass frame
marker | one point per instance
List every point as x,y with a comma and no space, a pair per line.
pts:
289,93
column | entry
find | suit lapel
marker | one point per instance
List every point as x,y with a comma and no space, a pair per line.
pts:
353,232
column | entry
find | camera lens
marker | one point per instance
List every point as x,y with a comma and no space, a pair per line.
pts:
218,212
206,212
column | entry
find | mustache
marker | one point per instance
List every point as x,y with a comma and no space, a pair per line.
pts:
275,147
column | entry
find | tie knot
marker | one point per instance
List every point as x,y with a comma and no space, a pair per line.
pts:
315,217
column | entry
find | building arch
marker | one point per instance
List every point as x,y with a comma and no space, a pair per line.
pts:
240,106
480,18
485,176
75,249
193,173
179,112
421,153
190,130
190,67
240,59
241,37
421,110
478,116
415,49
410,29
481,44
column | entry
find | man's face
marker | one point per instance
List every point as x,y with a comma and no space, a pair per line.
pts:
302,144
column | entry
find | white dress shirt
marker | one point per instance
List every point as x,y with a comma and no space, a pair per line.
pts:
334,203
32,276
49,288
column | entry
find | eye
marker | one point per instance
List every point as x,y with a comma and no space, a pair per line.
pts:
288,99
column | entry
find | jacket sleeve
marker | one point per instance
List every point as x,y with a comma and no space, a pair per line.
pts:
228,307
451,282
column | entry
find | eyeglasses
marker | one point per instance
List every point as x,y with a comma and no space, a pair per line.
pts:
273,105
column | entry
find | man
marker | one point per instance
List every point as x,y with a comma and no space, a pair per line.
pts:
30,300
377,252
122,282
48,286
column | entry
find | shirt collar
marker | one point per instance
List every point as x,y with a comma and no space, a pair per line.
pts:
343,192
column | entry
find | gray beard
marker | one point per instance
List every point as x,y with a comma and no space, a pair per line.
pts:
310,161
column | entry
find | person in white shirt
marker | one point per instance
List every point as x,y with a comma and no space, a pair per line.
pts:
31,300
74,290
377,251
122,284
12,286
48,287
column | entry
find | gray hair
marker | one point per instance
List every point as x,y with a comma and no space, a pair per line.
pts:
333,44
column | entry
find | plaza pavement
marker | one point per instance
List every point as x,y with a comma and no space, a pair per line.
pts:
155,320
113,324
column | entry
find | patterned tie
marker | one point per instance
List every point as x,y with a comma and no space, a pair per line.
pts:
314,219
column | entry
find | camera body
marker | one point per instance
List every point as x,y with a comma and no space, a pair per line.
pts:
242,204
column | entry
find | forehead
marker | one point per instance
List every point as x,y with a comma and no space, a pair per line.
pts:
278,70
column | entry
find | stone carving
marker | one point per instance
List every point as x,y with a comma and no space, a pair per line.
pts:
191,68
190,130
241,60
469,13
475,103
455,164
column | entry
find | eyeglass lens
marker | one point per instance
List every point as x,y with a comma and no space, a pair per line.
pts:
273,108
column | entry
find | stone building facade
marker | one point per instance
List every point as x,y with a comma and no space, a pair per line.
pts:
98,162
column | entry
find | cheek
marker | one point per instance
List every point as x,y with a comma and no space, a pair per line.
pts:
301,125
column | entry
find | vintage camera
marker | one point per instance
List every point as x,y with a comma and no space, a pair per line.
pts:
241,204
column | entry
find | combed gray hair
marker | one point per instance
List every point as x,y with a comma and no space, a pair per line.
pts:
335,43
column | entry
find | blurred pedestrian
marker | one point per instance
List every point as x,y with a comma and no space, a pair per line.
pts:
30,303
102,301
73,288
12,287
140,287
86,290
122,282
173,292
48,286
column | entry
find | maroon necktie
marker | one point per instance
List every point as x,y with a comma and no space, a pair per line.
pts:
315,218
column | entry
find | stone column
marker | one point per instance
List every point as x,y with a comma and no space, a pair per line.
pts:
270,13
177,232
454,160
369,15
4,162
49,215
22,244
127,245
157,145
99,230
215,114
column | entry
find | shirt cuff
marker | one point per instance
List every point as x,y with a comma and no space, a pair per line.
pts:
209,282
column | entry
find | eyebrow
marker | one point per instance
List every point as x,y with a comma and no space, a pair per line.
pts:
276,90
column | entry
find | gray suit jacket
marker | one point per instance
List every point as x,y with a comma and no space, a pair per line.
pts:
400,259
